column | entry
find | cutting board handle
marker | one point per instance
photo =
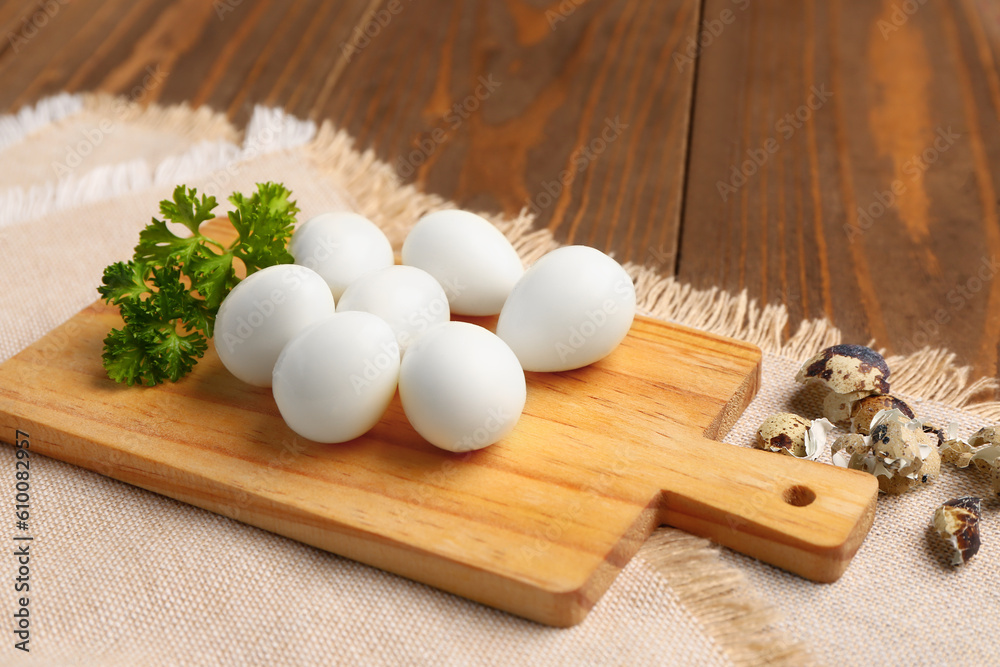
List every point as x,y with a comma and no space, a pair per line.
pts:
807,517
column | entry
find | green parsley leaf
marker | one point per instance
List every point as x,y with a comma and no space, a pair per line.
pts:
264,222
171,290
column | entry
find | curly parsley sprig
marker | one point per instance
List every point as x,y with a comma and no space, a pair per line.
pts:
170,291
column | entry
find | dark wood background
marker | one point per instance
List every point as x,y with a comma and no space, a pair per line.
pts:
750,144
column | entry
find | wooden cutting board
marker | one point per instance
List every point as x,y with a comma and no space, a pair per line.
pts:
538,525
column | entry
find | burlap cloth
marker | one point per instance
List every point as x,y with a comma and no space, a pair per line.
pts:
121,576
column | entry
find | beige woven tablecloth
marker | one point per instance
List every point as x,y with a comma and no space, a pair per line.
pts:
121,576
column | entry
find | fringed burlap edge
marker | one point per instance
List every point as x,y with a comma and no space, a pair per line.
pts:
928,374
714,593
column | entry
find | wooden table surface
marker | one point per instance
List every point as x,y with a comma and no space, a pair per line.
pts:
841,157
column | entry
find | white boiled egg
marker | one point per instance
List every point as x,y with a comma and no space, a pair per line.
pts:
571,308
340,247
334,380
410,300
474,262
262,313
461,387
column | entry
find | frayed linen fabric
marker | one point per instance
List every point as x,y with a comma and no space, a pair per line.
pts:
123,576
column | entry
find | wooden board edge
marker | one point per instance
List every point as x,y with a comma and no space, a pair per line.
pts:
740,400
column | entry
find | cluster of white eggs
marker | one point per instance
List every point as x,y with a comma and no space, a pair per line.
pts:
337,332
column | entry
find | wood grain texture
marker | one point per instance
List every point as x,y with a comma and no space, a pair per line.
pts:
538,524
898,78
587,125
584,119
878,207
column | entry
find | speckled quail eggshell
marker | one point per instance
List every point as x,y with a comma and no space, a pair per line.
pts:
865,409
334,381
957,453
474,262
846,447
837,407
341,247
931,468
957,521
987,435
785,433
262,313
853,443
409,299
461,387
846,369
572,308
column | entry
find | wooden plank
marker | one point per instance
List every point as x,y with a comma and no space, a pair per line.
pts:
781,236
915,103
207,51
588,126
547,137
538,524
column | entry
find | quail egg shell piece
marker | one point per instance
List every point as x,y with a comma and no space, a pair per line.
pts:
461,387
864,410
846,369
262,313
572,308
957,521
816,437
849,446
334,381
341,247
409,299
471,259
837,407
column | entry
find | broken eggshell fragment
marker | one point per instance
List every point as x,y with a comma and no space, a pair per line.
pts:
957,521
982,449
788,433
938,433
898,452
865,409
847,447
957,452
816,436
783,432
846,369
987,435
901,446
837,407
954,450
987,458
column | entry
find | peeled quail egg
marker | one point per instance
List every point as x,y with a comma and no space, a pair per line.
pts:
572,308
410,300
262,313
335,379
474,262
341,247
461,387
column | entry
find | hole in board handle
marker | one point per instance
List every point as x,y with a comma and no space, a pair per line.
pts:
799,495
